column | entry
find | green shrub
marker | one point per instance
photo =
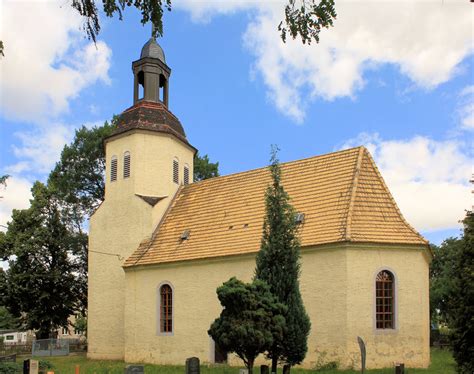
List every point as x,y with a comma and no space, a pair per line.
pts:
10,367
44,366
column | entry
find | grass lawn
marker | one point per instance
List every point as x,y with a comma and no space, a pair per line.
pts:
441,363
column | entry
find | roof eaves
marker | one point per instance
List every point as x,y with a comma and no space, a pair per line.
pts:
347,233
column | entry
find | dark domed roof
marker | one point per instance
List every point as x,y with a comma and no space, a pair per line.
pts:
152,49
151,116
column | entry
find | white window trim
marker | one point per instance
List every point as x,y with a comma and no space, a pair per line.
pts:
158,309
395,303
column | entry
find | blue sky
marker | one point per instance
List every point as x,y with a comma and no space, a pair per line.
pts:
396,77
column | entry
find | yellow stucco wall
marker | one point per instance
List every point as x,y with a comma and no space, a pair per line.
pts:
337,285
409,341
121,223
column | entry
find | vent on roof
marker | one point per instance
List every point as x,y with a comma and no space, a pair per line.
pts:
185,234
299,218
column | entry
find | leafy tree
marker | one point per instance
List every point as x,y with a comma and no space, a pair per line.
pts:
442,275
78,177
41,284
77,182
278,264
461,302
7,321
204,169
3,181
81,324
304,18
250,320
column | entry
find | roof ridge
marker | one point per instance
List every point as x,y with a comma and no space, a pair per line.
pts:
355,181
266,167
385,187
155,231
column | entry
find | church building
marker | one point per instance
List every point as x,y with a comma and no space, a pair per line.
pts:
364,268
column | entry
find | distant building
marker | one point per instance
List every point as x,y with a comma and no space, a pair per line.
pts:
14,336
160,245
70,332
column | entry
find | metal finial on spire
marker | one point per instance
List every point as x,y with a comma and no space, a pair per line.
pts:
153,29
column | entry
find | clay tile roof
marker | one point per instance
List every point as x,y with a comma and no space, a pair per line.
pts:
342,195
152,116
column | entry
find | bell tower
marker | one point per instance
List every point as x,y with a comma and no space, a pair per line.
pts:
148,159
151,75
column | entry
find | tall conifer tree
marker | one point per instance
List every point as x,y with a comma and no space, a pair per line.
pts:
278,264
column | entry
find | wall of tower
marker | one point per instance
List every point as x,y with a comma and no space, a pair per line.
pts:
121,222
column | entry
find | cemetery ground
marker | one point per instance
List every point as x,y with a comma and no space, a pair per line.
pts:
441,363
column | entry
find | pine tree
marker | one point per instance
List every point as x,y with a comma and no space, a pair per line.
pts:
250,320
278,264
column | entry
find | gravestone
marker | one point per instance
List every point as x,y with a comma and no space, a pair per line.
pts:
30,367
134,369
264,369
399,368
243,371
363,353
192,365
286,369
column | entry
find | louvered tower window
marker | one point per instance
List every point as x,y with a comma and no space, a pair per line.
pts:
175,171
166,309
186,175
126,165
113,169
384,300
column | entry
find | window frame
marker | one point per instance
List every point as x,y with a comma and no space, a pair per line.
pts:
159,306
113,176
175,171
395,324
186,174
127,161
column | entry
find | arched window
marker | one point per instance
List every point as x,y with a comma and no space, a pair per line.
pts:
175,171
385,300
126,164
113,169
186,174
166,309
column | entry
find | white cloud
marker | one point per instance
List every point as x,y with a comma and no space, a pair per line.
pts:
46,61
426,40
466,108
16,195
428,178
40,148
